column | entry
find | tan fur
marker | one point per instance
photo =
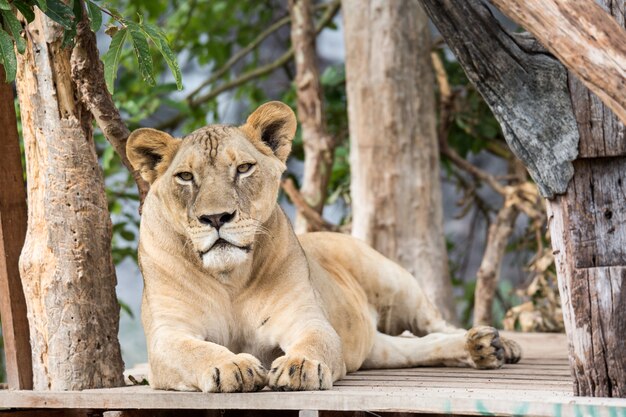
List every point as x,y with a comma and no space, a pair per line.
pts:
309,308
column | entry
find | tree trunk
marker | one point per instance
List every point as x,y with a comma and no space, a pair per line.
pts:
394,158
12,231
66,266
585,38
318,145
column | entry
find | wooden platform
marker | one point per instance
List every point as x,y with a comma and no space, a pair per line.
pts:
540,385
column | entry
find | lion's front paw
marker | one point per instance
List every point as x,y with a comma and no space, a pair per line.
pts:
485,347
242,373
297,373
512,350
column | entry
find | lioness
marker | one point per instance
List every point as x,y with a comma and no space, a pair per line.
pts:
230,289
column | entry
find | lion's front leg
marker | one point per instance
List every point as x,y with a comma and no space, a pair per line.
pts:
185,363
312,361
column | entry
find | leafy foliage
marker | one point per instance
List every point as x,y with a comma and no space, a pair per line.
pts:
68,16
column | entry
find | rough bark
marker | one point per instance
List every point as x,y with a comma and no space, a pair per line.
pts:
396,190
584,37
15,332
66,267
318,144
519,81
88,74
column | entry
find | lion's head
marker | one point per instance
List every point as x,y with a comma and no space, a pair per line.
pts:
218,185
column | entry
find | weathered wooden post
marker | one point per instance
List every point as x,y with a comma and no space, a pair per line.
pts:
588,230
575,149
12,232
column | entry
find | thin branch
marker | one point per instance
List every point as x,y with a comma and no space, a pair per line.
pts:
239,55
329,14
313,217
471,169
317,143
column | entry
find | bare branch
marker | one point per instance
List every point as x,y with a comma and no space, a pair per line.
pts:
312,216
318,144
488,274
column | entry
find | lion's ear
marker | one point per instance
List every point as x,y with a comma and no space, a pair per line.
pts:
151,151
274,124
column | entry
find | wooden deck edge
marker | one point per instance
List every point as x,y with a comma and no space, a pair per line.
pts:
430,401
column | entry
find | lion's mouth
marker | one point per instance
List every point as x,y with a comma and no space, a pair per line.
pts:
223,243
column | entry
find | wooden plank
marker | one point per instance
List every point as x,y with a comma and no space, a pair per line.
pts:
12,231
466,401
484,384
522,379
514,373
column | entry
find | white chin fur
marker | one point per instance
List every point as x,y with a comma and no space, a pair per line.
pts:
224,258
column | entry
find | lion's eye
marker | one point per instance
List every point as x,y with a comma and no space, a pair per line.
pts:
243,168
185,176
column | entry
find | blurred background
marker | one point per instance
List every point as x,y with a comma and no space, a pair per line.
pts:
235,56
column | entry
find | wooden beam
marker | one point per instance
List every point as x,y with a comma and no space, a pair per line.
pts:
12,232
586,39
525,87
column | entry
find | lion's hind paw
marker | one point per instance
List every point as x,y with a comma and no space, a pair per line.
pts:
512,350
485,347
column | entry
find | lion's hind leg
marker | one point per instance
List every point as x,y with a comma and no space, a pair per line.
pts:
479,347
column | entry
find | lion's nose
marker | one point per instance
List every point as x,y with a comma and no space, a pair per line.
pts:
216,220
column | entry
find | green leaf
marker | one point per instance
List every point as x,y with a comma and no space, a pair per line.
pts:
112,58
127,235
7,56
95,15
77,11
160,41
4,5
142,50
15,27
25,9
59,12
42,4
126,308
70,34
